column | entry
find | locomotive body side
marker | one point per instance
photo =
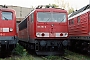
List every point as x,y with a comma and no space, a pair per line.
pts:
89,21
78,25
79,29
45,34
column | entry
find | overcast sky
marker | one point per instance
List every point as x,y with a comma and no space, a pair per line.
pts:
28,3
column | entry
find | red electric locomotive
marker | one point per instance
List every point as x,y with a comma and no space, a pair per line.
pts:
8,33
45,31
79,29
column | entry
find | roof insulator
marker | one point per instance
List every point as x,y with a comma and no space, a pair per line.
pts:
4,6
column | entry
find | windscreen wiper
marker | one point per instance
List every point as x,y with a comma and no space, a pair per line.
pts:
47,19
5,18
62,20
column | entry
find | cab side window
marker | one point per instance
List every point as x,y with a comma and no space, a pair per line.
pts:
89,16
32,17
78,19
71,21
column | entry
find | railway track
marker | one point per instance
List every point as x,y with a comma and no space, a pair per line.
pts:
57,58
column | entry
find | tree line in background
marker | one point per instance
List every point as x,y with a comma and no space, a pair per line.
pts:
65,5
69,9
62,4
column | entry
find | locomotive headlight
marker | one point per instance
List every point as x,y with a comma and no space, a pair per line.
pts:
61,34
11,29
43,34
37,34
66,34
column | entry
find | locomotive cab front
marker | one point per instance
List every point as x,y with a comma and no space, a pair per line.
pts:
8,34
45,31
51,29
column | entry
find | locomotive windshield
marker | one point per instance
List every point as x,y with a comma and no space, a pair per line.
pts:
51,17
6,15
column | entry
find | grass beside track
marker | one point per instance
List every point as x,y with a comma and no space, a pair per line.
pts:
29,57
70,55
21,54
76,56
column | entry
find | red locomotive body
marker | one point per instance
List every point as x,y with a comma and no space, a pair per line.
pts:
45,30
8,34
79,29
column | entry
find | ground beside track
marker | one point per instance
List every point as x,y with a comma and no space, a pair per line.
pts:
68,55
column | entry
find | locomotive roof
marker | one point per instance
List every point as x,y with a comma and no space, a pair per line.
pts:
50,8
6,9
80,10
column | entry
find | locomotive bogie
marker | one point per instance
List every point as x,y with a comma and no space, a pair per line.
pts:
50,45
